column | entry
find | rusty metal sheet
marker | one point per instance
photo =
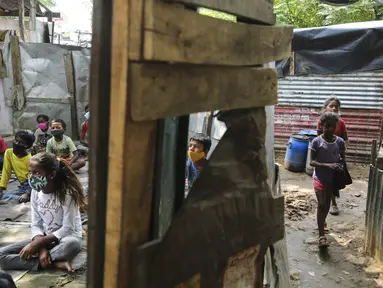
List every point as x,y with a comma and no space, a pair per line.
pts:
363,126
230,197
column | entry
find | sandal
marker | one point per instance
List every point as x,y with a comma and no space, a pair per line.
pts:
334,210
322,242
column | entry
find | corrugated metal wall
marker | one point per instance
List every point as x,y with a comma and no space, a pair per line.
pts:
301,100
374,216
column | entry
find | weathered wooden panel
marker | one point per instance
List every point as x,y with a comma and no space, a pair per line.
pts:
162,90
179,35
256,10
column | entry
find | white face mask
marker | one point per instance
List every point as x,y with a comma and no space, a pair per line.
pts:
87,114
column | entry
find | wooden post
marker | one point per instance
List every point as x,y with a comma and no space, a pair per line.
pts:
131,163
21,19
292,64
71,84
18,92
373,152
32,20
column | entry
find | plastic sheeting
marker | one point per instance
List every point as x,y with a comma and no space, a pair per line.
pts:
44,83
337,49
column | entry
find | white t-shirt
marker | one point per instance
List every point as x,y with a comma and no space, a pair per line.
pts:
50,217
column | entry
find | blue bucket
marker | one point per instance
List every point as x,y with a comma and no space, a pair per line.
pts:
296,153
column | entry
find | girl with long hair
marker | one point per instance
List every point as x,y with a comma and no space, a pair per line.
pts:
56,200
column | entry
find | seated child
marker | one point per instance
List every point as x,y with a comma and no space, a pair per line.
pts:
62,146
56,222
42,134
199,146
3,147
16,159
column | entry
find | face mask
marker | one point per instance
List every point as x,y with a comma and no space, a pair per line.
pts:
43,126
196,156
87,115
37,183
18,149
57,133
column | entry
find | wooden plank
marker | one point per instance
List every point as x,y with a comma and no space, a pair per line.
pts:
18,92
256,10
71,84
162,90
131,163
174,34
136,16
98,139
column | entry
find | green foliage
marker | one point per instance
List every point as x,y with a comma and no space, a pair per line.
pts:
312,13
48,3
216,14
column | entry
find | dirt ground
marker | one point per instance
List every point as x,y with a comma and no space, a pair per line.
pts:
344,263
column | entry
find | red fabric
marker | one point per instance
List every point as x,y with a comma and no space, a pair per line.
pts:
3,146
341,129
322,186
84,129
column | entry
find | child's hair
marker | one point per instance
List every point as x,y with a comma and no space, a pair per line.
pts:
329,100
328,116
45,117
203,139
27,136
66,182
86,107
62,122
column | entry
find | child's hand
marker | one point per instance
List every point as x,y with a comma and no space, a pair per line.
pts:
335,166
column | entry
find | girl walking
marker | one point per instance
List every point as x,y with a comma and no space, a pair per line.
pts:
56,222
332,104
327,151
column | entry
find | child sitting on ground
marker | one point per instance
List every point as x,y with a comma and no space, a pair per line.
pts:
332,104
3,147
326,152
56,222
199,146
42,134
16,159
62,146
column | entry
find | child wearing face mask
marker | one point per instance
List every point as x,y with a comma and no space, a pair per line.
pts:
62,146
56,221
199,146
332,104
42,134
16,160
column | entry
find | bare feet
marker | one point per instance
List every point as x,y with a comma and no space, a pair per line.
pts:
64,266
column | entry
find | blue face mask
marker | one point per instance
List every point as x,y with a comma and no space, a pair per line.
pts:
87,115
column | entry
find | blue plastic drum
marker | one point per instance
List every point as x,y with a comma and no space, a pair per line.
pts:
296,153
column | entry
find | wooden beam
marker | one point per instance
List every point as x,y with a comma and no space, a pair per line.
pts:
131,163
71,85
162,90
18,91
256,10
179,35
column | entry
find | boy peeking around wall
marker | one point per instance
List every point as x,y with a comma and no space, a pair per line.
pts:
199,146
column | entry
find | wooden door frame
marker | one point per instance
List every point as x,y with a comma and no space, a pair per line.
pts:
99,101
